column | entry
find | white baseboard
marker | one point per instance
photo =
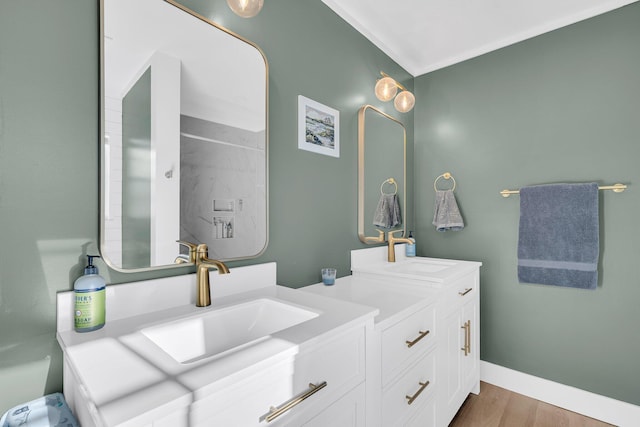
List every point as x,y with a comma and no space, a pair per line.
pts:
592,405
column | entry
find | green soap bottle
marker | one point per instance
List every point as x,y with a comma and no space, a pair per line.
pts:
89,293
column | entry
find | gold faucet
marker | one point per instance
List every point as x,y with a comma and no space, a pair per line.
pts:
203,264
391,257
184,259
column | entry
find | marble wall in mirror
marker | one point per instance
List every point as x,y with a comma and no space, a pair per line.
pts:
184,150
381,171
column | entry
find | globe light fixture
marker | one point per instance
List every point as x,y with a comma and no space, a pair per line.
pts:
245,8
386,89
405,101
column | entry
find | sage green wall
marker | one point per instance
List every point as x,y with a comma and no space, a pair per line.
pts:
562,107
49,159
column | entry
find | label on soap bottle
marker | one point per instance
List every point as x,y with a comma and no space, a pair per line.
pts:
89,313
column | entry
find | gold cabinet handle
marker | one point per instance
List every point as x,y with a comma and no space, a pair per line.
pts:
410,399
275,412
414,342
467,337
466,291
464,347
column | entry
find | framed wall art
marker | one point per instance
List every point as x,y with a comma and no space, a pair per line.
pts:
318,127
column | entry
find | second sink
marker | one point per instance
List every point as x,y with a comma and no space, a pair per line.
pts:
420,267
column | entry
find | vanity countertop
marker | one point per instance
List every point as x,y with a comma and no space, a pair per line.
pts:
130,381
392,300
372,262
395,288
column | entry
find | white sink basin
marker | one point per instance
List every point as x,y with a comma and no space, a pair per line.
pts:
220,330
420,267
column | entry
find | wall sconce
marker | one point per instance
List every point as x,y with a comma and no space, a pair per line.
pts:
386,89
245,8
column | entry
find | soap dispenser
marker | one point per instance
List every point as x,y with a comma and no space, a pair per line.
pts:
410,250
89,293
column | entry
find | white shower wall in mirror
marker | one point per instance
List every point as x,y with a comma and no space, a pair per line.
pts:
222,190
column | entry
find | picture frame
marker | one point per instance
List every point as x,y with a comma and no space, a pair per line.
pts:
318,127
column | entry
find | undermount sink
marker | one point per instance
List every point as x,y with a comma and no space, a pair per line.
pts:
220,330
420,267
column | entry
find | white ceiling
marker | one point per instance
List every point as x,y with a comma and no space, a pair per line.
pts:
425,35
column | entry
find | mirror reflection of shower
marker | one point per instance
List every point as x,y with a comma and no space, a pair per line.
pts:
177,139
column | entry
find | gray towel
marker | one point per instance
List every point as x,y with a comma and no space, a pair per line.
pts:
446,215
387,214
559,235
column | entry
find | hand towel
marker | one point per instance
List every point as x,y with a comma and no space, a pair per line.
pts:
446,215
558,240
387,214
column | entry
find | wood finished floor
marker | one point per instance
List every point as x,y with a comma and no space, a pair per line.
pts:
497,407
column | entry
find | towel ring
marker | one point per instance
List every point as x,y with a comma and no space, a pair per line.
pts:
445,175
390,181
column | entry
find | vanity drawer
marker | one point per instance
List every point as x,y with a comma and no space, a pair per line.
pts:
460,292
347,411
339,362
418,383
407,339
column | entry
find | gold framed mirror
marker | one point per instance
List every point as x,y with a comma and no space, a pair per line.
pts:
184,152
382,158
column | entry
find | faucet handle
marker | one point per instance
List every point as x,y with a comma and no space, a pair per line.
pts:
390,233
192,249
379,239
202,250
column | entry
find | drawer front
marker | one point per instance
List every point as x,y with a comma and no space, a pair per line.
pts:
411,393
340,363
348,411
405,340
461,291
425,417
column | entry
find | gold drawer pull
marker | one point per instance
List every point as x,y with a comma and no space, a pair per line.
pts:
275,412
414,342
410,399
467,337
466,291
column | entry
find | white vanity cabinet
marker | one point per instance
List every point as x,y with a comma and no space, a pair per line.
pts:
402,351
460,345
300,375
408,376
425,354
326,380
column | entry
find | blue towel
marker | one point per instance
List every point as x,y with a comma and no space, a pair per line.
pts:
559,235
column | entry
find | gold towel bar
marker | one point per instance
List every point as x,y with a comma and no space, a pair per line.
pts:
617,188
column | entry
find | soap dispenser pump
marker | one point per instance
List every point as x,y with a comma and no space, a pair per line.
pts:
89,293
410,250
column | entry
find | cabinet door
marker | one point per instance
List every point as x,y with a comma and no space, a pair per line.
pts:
461,358
453,353
470,374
